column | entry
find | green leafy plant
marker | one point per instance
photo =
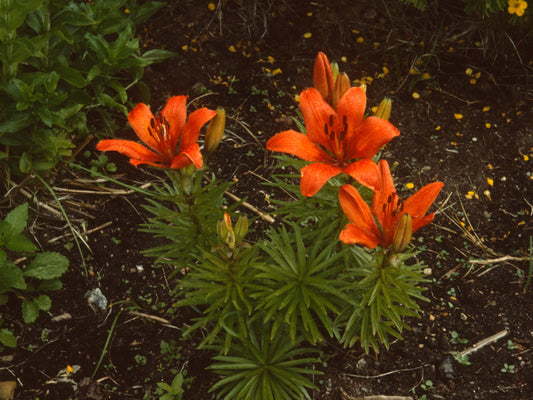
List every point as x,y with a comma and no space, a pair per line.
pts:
261,302
508,369
260,368
174,391
62,60
29,282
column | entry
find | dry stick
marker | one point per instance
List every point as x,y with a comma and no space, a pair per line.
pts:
264,217
106,191
346,396
29,196
53,240
484,342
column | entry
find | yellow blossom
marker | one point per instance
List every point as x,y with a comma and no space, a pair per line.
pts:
409,185
517,7
211,6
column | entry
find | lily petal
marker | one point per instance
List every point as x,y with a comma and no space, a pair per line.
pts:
353,234
314,176
175,112
189,154
298,144
421,222
385,195
365,172
197,119
139,119
316,113
129,148
357,211
369,137
352,105
418,204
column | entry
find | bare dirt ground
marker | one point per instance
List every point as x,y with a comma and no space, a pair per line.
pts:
252,58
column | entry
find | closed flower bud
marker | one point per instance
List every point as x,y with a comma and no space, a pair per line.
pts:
334,71
215,131
241,229
342,84
323,77
225,231
384,109
402,235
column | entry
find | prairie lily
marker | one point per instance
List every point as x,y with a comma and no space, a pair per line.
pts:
387,211
338,140
170,138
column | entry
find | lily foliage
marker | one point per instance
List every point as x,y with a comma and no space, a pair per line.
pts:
336,266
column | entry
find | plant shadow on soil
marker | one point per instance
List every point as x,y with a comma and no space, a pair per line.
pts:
484,212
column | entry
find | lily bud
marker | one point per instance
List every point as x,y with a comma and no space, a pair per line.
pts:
215,131
402,235
225,231
342,84
384,109
334,70
241,229
323,77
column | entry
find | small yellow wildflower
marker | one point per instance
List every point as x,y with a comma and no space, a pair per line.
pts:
211,6
517,7
307,35
409,185
415,95
487,125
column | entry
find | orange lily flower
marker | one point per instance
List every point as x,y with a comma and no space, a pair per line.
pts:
386,211
338,140
170,138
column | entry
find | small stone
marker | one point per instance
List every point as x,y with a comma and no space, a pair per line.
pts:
427,271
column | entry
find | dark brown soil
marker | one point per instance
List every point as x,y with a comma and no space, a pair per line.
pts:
230,57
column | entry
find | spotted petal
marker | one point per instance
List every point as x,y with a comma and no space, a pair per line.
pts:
298,144
314,176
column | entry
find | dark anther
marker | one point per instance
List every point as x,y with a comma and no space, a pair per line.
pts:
343,134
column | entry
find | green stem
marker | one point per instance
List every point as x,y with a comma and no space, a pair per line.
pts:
49,188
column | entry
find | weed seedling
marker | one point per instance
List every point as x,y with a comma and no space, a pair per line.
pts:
509,369
455,339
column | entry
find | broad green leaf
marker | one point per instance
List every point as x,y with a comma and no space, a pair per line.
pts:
72,76
11,277
30,310
18,218
43,302
157,55
16,122
47,265
20,243
49,285
7,338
